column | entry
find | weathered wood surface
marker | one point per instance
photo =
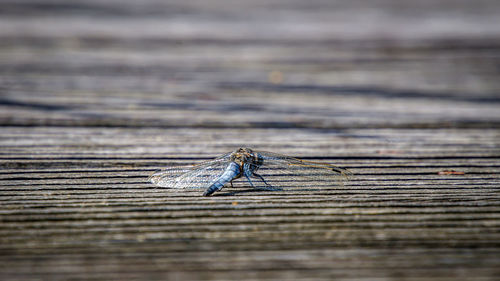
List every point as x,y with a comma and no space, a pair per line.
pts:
96,96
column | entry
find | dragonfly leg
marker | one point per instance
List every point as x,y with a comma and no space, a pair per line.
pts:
249,171
249,180
268,186
231,182
255,175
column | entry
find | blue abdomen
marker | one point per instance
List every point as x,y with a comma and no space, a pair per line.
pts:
232,171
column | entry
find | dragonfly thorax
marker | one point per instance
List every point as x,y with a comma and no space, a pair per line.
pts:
244,155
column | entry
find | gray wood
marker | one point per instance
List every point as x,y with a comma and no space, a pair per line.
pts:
94,97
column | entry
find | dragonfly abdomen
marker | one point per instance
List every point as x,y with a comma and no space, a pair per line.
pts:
232,171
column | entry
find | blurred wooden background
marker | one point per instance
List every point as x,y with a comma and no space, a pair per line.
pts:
96,95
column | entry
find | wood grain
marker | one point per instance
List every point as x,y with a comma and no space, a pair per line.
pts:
94,97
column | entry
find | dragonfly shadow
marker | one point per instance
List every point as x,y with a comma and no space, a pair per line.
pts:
263,190
249,190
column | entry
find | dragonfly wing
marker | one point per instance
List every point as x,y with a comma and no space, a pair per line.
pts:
198,176
285,171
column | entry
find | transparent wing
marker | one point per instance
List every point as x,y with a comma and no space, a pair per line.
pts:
284,171
198,176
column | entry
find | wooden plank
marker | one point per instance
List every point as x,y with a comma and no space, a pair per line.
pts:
396,200
94,97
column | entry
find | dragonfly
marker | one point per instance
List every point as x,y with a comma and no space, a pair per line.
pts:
262,170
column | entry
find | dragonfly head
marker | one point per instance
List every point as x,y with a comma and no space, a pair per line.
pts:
243,155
